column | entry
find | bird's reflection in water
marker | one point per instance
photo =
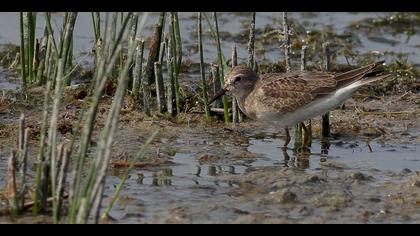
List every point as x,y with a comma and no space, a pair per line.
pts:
300,157
325,146
212,171
198,173
140,178
162,177
286,158
231,170
215,170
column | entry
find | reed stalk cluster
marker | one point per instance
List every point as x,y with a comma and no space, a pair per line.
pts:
68,179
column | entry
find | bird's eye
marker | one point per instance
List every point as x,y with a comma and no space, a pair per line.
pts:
238,79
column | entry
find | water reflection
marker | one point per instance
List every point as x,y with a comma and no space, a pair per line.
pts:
140,178
198,173
302,159
182,174
300,155
212,171
299,159
286,158
325,146
191,171
162,177
216,170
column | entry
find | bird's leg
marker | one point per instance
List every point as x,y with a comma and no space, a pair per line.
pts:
305,135
298,137
309,133
287,141
286,157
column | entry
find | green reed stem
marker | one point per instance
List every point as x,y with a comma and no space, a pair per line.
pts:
61,180
31,40
202,72
162,49
66,51
12,194
96,25
51,32
251,43
325,125
43,53
178,43
26,38
52,133
216,84
22,157
154,50
171,79
121,60
41,155
138,70
23,55
223,66
48,61
235,110
286,42
160,95
175,65
133,28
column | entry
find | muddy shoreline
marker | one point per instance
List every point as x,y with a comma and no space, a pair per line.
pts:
202,172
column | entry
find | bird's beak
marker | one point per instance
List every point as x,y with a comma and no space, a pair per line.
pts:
218,95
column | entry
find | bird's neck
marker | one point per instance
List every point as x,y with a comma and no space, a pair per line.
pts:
242,94
241,106
240,98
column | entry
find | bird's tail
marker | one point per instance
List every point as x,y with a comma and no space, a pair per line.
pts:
361,76
368,80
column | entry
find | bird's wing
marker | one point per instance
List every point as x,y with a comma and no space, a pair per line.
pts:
285,92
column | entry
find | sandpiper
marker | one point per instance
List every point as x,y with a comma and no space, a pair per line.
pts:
286,99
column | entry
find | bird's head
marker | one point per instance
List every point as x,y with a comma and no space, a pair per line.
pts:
239,81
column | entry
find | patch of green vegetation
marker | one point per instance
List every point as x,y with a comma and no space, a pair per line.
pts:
278,67
267,35
340,44
395,23
406,76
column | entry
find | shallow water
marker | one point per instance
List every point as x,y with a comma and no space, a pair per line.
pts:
190,182
8,81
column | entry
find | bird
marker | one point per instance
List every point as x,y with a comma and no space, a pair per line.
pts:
289,98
